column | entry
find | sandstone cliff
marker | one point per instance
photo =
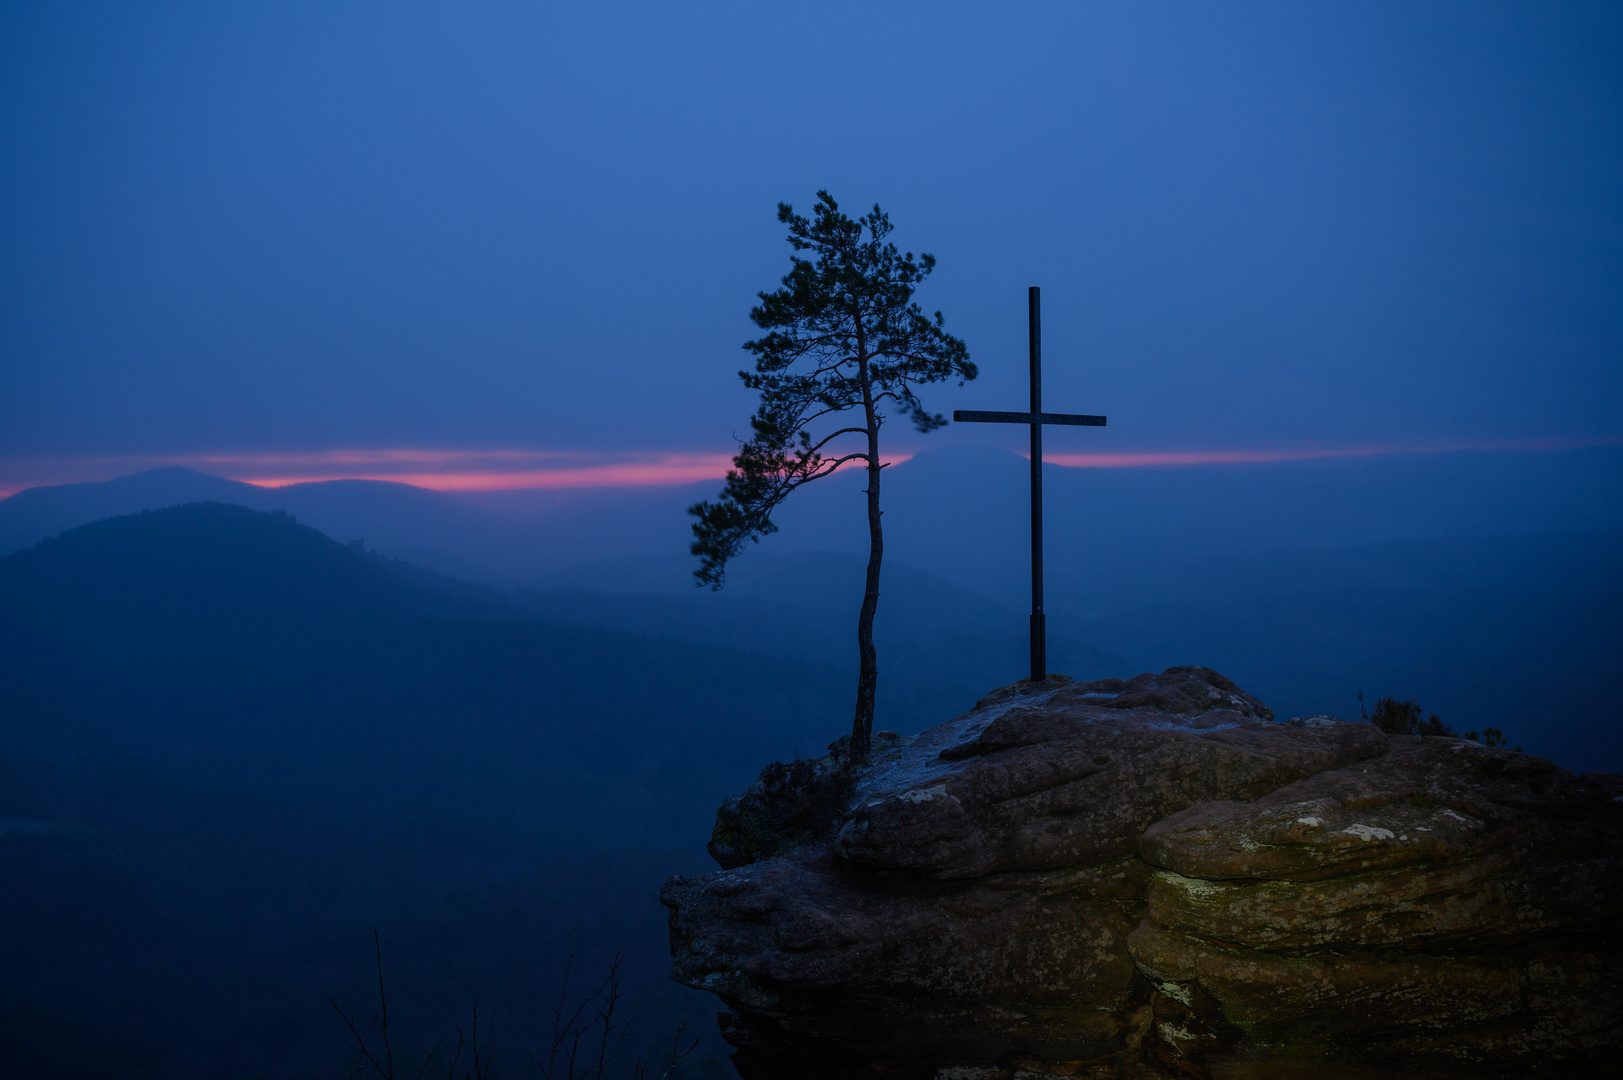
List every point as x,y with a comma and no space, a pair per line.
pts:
1152,877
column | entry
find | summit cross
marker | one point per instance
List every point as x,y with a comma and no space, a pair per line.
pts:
1036,418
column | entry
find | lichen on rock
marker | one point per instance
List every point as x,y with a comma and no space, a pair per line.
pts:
1150,877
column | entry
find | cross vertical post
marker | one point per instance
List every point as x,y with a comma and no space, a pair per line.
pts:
1036,418
1039,628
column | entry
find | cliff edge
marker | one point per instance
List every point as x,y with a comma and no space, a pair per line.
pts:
1151,877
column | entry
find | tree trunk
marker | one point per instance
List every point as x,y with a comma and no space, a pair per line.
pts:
867,657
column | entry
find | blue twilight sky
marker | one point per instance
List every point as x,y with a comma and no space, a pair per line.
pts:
270,228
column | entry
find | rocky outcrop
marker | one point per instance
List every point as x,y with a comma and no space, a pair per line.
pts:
1152,877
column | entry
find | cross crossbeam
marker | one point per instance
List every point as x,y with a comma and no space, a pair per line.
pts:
1036,418
976,416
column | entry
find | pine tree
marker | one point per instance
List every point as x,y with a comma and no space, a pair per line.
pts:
843,335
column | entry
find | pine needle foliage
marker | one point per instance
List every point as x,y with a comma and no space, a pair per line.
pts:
842,333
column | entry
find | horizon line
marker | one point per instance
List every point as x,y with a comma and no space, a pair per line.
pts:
521,470
1174,458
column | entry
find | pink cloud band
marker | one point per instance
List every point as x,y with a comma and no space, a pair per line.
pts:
505,469
673,469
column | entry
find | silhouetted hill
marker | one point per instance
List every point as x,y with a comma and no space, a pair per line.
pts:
34,514
424,527
202,567
215,633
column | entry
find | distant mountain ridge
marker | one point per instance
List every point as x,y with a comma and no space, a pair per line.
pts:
215,635
958,513
36,513
444,533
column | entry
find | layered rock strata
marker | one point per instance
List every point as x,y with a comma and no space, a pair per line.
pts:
1151,877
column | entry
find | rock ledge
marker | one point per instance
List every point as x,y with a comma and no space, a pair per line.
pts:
1150,877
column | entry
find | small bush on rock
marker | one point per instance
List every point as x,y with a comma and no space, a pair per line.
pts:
790,805
1403,718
